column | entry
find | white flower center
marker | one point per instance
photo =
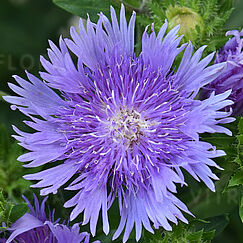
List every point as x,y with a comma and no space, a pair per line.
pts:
127,126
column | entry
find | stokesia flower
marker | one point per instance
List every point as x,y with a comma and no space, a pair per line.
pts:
232,76
123,125
37,227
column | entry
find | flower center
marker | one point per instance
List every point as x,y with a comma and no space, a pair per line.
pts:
127,126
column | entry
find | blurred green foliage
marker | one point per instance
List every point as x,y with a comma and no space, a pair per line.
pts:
26,26
11,171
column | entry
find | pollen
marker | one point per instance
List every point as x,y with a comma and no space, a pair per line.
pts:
127,126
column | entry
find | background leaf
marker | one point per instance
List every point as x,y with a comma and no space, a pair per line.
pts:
216,224
180,233
241,209
82,7
237,178
18,211
11,170
10,212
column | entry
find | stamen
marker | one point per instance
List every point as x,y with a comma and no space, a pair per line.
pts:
127,126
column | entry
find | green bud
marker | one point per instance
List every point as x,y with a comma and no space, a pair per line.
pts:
191,23
201,21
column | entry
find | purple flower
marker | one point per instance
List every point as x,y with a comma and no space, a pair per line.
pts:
3,240
36,227
124,125
232,76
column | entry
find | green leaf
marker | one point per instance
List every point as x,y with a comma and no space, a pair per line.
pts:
10,212
11,171
241,208
212,204
82,7
133,3
208,236
180,233
240,125
94,7
1,95
216,224
5,209
239,158
195,236
237,178
18,211
227,143
224,142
